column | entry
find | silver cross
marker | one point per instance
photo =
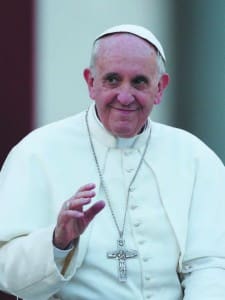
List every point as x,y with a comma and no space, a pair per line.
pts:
121,254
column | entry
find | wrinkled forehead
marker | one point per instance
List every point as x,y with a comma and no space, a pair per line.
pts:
138,31
123,44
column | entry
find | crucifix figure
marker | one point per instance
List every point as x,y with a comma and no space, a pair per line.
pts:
121,254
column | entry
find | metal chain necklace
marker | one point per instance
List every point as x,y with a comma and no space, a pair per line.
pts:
121,254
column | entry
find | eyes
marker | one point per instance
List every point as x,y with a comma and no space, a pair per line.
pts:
113,80
140,81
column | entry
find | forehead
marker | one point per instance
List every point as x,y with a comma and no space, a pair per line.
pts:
125,50
124,44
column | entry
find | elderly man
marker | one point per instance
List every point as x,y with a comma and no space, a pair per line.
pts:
159,231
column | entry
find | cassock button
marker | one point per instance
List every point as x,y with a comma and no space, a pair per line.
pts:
141,242
187,267
127,153
145,259
134,206
137,224
132,189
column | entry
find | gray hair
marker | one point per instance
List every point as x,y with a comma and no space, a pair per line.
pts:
94,53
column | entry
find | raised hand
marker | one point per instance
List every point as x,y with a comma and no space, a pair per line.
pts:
73,219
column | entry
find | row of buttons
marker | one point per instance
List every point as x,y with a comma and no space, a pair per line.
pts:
148,278
141,242
128,153
145,259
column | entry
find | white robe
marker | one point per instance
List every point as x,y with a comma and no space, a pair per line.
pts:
51,163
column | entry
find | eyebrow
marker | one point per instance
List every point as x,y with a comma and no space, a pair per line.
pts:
111,74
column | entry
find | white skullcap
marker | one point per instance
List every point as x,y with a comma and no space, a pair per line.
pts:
140,31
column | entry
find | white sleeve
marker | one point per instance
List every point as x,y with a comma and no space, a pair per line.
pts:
204,283
27,263
203,269
61,255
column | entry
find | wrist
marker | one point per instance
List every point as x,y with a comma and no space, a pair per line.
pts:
62,245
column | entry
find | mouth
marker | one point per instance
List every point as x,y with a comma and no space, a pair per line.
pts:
124,109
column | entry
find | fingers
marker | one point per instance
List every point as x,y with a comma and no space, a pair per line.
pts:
72,219
91,212
73,208
86,191
74,203
83,196
86,187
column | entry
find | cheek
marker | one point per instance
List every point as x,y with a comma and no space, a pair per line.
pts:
102,109
104,99
147,102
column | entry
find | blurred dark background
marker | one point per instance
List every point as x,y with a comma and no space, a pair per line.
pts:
16,72
16,76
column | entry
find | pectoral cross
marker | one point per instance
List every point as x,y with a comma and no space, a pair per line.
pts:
121,254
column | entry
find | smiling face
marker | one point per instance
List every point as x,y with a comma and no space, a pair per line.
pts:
125,83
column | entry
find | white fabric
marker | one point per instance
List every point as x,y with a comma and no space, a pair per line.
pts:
147,230
50,164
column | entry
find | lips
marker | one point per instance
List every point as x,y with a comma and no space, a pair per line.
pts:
123,109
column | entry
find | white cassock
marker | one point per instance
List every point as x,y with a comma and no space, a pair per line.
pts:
175,218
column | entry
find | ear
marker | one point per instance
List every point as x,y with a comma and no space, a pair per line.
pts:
162,84
89,78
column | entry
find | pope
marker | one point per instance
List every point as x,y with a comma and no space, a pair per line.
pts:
108,204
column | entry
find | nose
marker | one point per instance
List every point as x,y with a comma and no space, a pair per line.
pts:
125,97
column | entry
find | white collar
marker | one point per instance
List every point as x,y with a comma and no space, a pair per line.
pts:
105,137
